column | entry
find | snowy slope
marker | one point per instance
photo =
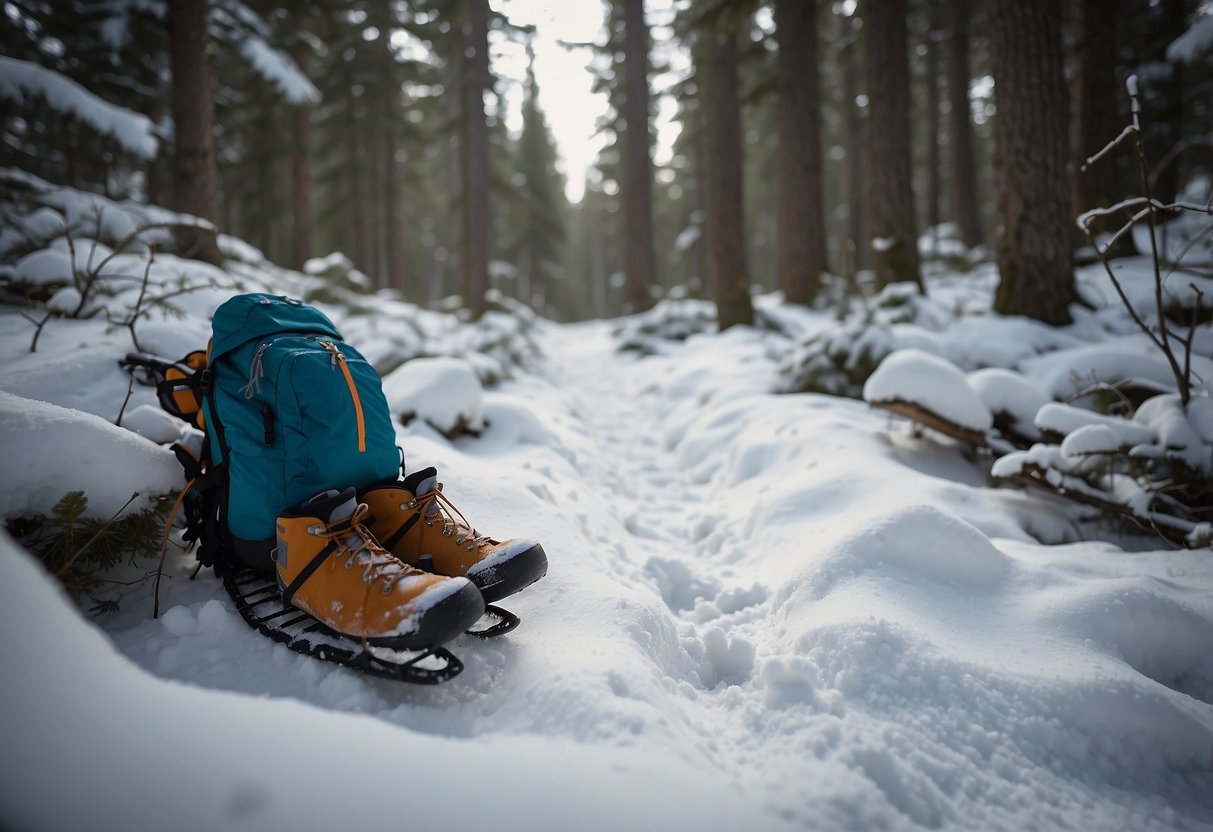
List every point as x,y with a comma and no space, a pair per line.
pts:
762,612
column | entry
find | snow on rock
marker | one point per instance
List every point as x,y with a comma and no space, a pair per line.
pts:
50,450
932,382
443,392
1007,392
22,80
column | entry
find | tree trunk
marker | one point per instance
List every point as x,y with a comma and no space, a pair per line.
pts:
390,110
853,128
477,218
303,231
966,210
639,263
725,228
800,233
1031,176
194,171
363,256
890,192
932,80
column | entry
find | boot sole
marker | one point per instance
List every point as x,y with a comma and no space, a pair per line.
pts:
510,576
440,623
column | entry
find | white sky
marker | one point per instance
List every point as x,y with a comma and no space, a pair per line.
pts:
572,110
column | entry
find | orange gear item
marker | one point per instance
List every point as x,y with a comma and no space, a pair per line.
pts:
331,566
421,526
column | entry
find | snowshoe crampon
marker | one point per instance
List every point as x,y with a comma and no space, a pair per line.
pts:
495,622
259,601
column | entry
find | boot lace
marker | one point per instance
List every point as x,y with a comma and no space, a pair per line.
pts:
377,562
454,524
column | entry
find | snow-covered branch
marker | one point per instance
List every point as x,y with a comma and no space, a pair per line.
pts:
272,64
1194,44
24,82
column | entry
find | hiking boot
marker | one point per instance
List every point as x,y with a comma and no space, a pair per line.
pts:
329,565
419,525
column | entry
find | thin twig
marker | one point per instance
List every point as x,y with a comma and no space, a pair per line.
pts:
130,386
147,272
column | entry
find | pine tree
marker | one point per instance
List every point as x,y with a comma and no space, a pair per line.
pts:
541,240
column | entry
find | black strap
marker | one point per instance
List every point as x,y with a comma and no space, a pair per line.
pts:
401,532
307,572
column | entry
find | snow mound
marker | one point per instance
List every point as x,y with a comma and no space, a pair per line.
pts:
56,450
917,377
924,541
443,392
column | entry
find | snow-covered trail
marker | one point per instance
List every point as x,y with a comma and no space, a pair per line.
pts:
761,612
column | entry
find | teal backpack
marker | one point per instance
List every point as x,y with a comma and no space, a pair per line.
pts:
289,410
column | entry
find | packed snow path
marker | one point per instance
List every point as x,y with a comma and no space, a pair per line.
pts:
762,612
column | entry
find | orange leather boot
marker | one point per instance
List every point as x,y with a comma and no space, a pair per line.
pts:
331,566
419,524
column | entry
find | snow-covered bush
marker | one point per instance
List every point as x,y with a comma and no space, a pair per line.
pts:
669,320
942,245
839,360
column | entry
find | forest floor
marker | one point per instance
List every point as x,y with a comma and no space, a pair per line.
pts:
762,611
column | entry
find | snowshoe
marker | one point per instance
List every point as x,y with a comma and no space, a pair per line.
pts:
259,600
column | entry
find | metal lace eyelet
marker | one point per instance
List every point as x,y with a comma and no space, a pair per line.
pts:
349,564
471,547
446,533
459,541
387,589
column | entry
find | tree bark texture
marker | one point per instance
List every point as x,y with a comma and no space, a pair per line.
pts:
388,141
800,233
477,217
303,230
933,121
639,262
1094,121
890,192
725,226
966,210
856,253
194,170
1031,171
